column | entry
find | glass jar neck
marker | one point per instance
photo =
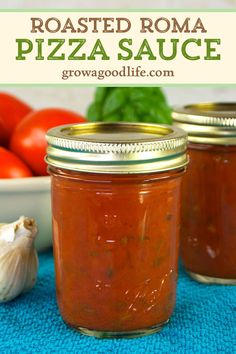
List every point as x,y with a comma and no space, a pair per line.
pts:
115,178
211,147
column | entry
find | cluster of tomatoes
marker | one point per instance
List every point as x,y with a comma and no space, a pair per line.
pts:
22,136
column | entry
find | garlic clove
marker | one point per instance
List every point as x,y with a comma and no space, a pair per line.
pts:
18,258
32,270
12,275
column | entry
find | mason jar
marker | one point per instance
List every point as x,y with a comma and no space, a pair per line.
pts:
116,217
208,235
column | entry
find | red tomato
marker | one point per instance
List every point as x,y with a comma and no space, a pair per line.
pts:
28,140
12,111
3,133
12,166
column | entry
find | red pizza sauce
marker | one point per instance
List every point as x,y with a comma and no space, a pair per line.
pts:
208,242
116,248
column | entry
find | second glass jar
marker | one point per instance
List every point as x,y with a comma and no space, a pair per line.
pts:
208,232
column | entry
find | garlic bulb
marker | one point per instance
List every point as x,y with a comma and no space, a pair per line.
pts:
18,258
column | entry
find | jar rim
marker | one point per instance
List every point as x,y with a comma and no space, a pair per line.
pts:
208,122
116,147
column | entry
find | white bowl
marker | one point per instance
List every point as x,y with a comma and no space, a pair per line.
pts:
29,197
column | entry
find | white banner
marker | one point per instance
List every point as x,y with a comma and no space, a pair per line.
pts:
117,47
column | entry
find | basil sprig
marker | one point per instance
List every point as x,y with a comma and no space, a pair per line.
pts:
130,104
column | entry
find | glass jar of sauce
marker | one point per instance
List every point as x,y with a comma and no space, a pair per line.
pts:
116,210
208,236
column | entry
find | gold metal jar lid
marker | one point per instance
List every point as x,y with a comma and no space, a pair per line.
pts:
208,123
117,147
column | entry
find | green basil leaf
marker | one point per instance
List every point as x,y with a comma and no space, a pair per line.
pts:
101,94
93,112
113,102
129,114
113,117
141,104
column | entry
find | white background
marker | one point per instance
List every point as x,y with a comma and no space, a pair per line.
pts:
78,98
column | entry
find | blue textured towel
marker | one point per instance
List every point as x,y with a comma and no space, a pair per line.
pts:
204,321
